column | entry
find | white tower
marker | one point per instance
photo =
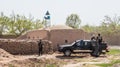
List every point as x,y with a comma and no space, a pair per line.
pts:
47,19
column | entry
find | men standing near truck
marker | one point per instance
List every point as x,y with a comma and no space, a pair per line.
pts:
96,42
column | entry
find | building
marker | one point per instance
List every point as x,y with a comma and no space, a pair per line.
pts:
57,34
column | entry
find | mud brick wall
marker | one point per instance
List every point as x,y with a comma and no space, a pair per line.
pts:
24,46
59,36
8,36
35,34
112,40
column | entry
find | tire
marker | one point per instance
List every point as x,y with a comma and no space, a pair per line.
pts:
92,53
95,53
67,53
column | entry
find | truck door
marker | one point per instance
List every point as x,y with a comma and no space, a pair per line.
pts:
87,45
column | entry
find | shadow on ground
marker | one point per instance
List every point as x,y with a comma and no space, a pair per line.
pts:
70,57
75,57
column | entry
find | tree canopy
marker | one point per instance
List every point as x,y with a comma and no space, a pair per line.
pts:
73,21
16,24
109,25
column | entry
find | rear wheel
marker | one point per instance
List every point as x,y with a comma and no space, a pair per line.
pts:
92,53
95,53
67,53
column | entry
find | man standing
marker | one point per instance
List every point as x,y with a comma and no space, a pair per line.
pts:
40,47
99,39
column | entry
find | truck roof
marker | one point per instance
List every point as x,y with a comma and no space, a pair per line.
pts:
83,40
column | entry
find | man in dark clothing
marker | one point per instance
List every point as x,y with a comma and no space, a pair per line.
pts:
40,47
96,41
99,39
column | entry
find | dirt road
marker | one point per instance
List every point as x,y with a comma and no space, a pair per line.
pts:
54,60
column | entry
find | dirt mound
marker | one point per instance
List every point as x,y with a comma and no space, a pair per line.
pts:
5,54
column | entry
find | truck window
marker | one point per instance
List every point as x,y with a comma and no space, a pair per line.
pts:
85,43
78,44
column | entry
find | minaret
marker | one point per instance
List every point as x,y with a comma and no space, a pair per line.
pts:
47,19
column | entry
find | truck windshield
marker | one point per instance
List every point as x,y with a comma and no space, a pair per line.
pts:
73,43
78,43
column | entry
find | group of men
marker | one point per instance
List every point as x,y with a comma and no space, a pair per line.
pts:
98,38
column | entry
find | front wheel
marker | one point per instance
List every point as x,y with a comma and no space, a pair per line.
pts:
97,54
67,53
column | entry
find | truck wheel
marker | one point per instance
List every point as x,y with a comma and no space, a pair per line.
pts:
97,54
67,53
92,53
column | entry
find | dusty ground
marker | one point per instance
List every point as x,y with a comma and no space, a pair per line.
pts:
54,60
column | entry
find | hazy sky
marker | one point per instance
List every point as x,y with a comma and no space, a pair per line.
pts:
90,11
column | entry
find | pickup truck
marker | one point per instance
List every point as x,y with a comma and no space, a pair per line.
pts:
84,46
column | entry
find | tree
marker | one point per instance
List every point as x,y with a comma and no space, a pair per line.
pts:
20,24
38,24
110,25
73,21
16,24
89,28
3,23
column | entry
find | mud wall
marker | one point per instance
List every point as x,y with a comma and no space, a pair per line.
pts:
59,36
24,46
112,40
8,36
35,34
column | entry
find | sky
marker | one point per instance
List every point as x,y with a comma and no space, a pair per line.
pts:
91,12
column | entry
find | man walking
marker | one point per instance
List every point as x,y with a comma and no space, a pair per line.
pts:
40,47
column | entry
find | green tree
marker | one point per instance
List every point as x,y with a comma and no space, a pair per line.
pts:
3,23
38,24
110,25
73,21
89,28
16,24
20,24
